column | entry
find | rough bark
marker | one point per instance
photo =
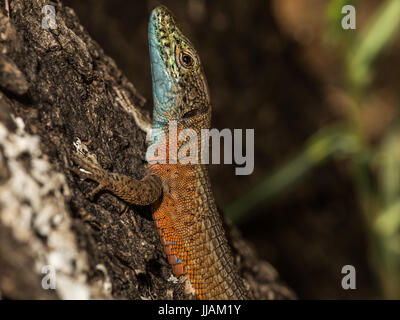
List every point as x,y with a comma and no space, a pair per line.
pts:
58,86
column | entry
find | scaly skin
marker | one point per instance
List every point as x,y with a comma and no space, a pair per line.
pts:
180,195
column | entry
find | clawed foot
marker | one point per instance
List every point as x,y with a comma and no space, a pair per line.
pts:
89,169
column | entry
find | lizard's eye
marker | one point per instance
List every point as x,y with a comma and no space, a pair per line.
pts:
186,59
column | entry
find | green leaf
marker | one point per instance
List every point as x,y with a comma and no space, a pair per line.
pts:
373,40
335,141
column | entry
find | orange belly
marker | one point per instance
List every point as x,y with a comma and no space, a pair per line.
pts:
167,217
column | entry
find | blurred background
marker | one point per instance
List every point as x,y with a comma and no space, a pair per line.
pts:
324,103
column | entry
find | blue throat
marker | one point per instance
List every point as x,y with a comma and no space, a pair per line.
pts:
164,95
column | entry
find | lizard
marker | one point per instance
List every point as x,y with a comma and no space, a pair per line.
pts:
183,207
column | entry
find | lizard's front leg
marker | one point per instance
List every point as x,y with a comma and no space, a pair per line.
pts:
138,192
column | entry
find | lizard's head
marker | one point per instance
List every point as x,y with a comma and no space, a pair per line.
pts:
180,90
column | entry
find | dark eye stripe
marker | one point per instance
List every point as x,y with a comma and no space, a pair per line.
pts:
190,114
